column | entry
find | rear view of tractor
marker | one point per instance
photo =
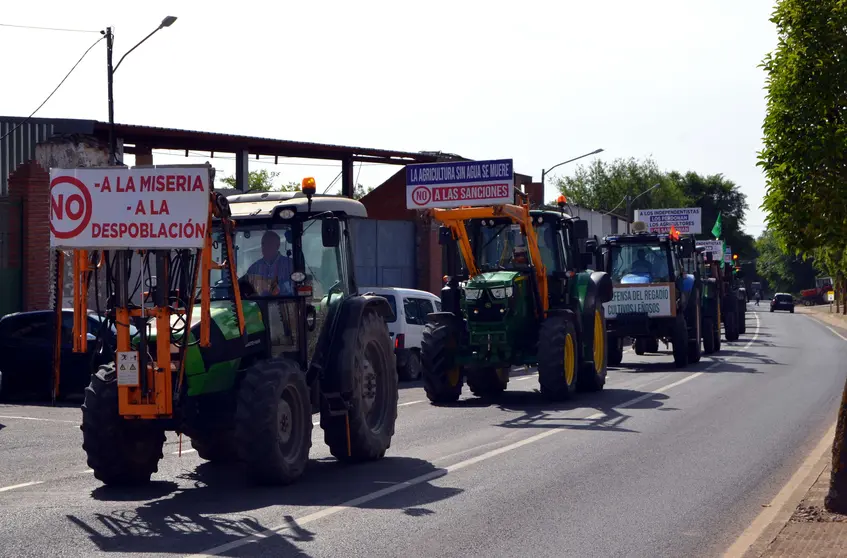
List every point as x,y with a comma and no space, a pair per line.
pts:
655,297
247,322
514,295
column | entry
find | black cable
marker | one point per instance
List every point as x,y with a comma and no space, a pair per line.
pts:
25,120
48,28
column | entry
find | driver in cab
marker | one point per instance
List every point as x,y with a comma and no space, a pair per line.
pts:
641,266
271,274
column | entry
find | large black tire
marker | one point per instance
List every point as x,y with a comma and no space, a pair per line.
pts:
680,342
210,424
273,422
368,354
412,370
558,357
742,318
615,351
442,377
731,325
708,335
639,346
592,374
695,338
120,451
652,345
489,381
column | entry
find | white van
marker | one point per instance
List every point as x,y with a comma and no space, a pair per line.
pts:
410,307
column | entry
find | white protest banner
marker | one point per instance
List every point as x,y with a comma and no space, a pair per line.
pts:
139,208
657,300
715,247
686,220
727,254
458,183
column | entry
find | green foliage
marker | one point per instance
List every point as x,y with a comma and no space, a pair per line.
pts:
782,270
263,181
804,156
602,186
361,191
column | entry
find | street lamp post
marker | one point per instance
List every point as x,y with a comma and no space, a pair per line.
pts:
110,72
630,199
545,171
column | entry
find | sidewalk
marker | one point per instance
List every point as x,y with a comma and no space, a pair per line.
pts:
803,528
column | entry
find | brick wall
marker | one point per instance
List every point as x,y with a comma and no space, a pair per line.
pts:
30,184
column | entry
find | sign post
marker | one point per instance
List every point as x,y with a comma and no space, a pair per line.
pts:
149,208
459,183
686,220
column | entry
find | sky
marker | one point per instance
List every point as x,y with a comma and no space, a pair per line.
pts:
538,82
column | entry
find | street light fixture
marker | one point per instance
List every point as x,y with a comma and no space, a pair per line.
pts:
544,172
629,199
110,72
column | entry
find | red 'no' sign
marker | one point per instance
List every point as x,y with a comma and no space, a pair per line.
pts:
70,207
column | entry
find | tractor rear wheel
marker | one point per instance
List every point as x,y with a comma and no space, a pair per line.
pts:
639,346
592,375
708,336
742,321
489,381
558,357
367,353
615,353
680,342
441,375
695,340
120,451
731,326
273,421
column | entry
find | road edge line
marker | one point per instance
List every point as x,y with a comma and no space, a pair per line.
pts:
772,519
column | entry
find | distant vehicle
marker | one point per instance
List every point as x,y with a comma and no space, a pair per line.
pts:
811,297
26,353
782,301
410,307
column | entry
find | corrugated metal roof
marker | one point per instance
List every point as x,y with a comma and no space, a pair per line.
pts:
19,146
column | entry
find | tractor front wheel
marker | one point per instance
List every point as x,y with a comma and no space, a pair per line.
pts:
489,381
273,421
558,359
592,375
708,336
615,353
694,341
442,377
367,353
680,342
120,451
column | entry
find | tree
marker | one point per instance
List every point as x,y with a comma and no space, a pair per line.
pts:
361,191
782,270
804,155
263,181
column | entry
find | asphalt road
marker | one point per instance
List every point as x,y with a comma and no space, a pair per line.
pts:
663,462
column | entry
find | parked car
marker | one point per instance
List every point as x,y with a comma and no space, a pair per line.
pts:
410,307
782,301
26,353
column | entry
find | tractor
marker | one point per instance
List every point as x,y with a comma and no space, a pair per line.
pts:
281,332
515,293
655,298
713,300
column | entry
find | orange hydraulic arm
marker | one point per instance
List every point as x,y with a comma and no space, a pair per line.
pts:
455,220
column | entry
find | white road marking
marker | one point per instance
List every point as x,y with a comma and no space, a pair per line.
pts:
406,404
14,417
22,485
86,471
184,451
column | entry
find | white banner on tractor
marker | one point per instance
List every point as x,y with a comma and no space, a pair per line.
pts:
657,300
139,208
458,183
687,220
713,246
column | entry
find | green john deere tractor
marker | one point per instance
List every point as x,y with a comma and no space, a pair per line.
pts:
516,294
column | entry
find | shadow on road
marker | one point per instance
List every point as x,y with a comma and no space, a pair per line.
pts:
215,504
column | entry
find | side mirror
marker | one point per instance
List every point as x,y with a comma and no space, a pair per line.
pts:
444,235
587,260
330,232
580,229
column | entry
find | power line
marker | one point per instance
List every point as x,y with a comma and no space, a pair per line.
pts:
25,120
48,28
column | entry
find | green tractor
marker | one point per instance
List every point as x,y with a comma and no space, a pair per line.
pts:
515,295
281,332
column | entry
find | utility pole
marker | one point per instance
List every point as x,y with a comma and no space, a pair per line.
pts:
110,72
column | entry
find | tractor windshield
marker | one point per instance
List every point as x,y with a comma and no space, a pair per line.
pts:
498,245
640,263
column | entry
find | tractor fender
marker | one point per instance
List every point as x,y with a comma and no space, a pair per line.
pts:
442,318
688,283
598,289
348,316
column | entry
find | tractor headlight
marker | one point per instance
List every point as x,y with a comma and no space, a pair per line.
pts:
472,294
502,292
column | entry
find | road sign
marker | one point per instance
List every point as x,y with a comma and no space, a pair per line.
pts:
713,246
830,296
727,254
686,220
458,183
653,300
139,208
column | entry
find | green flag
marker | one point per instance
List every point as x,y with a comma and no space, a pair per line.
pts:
717,229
